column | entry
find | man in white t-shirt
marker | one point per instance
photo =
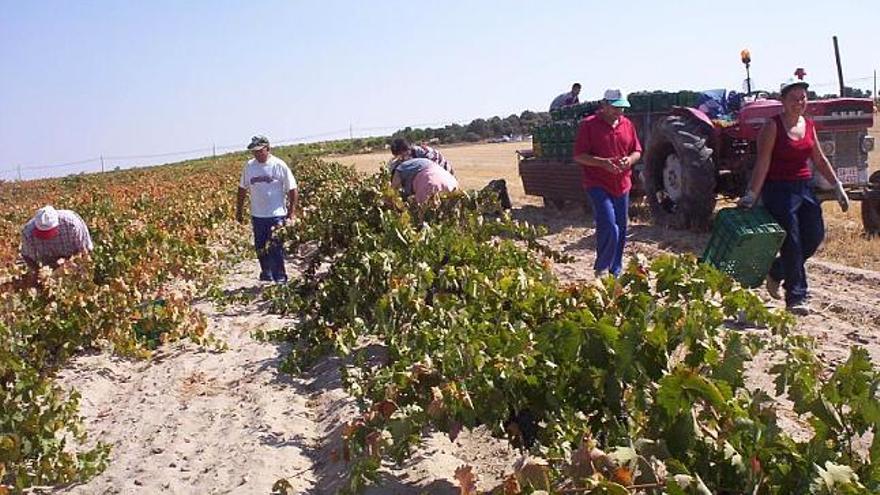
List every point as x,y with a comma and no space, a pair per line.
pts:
273,192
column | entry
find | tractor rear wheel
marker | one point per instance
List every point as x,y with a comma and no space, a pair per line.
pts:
871,208
680,174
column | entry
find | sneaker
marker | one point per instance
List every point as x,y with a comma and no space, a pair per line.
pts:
800,308
265,277
773,287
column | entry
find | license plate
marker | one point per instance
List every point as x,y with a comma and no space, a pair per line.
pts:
848,175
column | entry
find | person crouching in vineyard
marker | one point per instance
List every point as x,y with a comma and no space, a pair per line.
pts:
421,177
52,235
270,183
48,237
403,150
606,146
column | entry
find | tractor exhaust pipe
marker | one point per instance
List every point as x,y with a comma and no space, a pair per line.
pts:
839,68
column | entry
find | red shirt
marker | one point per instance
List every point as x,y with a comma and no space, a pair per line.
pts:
598,138
790,158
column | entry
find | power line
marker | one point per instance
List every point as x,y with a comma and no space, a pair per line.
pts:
61,165
158,155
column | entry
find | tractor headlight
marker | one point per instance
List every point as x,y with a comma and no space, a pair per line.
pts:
827,147
867,144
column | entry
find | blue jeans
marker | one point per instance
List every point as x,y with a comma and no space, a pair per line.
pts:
271,257
611,217
794,207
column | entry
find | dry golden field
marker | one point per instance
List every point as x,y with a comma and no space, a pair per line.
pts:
477,164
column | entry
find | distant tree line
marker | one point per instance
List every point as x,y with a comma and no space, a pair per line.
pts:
848,92
478,129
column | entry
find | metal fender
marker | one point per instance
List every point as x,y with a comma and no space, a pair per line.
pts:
696,114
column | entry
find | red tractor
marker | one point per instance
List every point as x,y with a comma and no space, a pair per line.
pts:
689,158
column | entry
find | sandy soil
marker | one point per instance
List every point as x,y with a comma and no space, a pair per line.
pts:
195,420
199,421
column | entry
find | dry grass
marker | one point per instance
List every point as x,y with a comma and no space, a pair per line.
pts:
475,165
845,241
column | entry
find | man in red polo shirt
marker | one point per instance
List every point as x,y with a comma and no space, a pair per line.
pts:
607,147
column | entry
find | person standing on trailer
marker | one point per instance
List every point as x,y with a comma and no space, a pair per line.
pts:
568,98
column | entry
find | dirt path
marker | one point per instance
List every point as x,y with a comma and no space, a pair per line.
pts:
194,420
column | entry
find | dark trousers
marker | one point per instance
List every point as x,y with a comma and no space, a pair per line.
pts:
795,207
272,256
610,213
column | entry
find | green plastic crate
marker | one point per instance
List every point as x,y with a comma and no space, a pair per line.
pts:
688,98
640,102
744,243
661,101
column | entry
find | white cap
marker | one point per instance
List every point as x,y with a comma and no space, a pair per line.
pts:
791,82
46,218
612,94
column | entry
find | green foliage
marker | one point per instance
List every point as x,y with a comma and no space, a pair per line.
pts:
158,243
478,331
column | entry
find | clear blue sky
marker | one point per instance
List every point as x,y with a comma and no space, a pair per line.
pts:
83,78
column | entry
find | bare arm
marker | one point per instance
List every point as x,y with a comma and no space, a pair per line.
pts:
292,200
821,161
766,141
396,183
593,161
239,204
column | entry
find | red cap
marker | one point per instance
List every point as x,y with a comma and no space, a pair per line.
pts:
46,234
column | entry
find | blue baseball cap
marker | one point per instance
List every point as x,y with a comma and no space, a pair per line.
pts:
614,98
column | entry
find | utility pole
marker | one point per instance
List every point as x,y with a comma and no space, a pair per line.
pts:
19,173
102,164
214,150
839,68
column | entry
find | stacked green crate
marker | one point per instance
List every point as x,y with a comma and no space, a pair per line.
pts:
640,102
688,98
555,140
661,101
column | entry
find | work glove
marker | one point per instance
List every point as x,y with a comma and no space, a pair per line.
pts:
748,200
840,195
